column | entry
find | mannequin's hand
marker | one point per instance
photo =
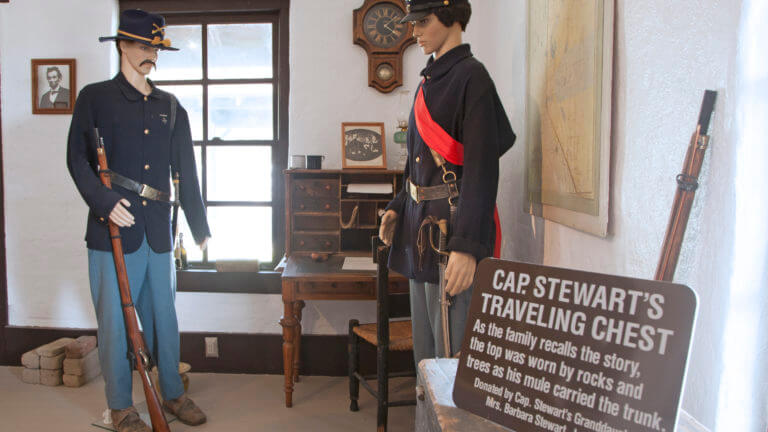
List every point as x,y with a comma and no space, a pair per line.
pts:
203,244
120,215
459,273
387,228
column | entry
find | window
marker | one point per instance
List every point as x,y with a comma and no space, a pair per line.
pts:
231,76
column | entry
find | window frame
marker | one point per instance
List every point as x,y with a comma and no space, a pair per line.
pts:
181,12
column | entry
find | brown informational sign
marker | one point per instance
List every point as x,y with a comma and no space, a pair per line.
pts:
551,349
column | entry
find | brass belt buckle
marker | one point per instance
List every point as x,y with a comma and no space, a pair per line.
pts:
144,191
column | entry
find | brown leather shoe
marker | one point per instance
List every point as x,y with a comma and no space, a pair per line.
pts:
128,420
186,410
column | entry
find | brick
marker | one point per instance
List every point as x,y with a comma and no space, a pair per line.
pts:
51,377
52,363
83,366
54,348
80,347
30,376
31,359
80,380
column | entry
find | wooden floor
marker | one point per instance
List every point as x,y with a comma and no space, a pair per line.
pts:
232,403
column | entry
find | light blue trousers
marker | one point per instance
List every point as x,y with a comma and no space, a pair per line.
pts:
153,289
427,322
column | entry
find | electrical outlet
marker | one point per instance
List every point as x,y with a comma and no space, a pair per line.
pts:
212,347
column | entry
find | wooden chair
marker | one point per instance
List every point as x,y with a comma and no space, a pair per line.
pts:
385,335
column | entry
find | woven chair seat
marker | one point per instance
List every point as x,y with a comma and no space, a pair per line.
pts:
400,334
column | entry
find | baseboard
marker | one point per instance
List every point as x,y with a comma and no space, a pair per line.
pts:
238,353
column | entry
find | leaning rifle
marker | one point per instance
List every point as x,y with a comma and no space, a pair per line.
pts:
139,350
687,182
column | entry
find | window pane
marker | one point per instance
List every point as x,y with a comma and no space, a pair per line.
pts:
240,112
191,98
199,165
237,173
239,51
185,64
240,233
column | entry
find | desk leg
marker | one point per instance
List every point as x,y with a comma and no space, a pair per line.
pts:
297,308
289,334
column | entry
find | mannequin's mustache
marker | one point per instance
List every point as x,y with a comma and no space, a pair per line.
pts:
148,61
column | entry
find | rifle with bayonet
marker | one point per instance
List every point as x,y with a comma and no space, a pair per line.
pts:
687,182
136,341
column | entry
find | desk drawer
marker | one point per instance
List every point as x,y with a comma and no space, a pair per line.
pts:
315,188
316,242
337,289
309,204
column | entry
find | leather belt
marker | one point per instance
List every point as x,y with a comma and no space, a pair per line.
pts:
144,191
429,193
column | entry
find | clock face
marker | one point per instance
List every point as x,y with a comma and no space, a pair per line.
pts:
381,25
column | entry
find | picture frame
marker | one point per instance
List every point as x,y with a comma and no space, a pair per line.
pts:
363,145
53,75
570,77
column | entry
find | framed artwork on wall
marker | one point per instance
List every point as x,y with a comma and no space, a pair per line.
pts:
363,145
570,66
53,86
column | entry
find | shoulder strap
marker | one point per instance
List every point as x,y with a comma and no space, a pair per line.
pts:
174,105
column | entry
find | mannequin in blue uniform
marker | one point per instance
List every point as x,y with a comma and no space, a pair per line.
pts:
462,101
142,145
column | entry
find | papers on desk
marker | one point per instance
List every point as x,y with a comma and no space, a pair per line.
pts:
358,263
370,188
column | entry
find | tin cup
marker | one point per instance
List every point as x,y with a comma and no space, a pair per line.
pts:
315,161
298,161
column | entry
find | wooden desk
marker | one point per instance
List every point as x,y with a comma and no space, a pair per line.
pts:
304,279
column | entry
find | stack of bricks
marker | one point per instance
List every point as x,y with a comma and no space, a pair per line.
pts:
43,365
72,362
82,361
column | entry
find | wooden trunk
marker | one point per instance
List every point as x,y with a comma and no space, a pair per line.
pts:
437,412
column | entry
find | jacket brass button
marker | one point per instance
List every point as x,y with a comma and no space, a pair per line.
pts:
146,167
146,98
146,131
144,202
418,159
101,219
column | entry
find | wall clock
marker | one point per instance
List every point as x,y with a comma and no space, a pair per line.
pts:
377,29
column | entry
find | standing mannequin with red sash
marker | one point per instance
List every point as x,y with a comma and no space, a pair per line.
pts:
458,115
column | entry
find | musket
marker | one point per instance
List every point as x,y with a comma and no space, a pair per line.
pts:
687,182
138,348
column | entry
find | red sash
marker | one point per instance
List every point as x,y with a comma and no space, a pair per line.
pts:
443,143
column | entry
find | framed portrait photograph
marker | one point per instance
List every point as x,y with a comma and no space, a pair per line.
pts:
53,86
363,145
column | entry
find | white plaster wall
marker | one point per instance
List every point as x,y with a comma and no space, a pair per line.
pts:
666,54
329,82
45,216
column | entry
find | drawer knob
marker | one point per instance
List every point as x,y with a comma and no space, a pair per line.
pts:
301,187
301,206
327,243
327,187
420,392
327,206
301,242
